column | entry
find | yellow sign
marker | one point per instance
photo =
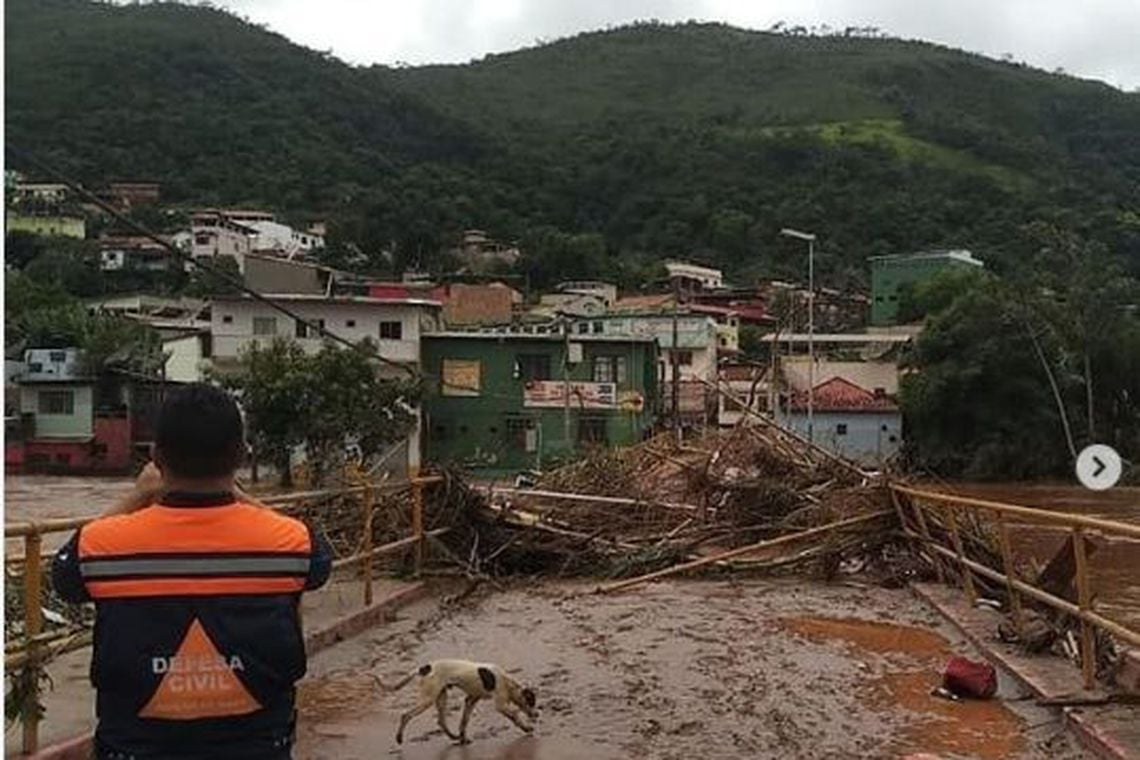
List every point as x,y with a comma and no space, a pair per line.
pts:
461,377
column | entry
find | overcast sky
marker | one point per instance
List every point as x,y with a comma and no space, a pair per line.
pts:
1089,38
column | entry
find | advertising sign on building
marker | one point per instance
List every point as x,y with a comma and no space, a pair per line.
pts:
552,393
461,377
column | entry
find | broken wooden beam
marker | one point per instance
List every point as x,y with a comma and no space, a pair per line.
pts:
751,548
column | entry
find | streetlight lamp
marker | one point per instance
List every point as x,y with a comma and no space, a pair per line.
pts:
810,238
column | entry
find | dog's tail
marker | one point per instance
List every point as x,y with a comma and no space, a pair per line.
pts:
396,686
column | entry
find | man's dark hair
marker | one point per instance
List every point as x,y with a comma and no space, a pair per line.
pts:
199,433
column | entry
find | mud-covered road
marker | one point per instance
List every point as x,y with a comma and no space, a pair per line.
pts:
687,670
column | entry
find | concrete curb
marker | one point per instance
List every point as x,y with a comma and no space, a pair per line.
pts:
357,622
352,624
1082,727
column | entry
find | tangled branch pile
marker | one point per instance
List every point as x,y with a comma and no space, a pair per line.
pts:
666,502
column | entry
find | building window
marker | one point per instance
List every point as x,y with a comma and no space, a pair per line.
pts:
893,439
684,358
592,431
265,325
227,319
583,328
391,331
533,367
57,357
305,331
57,402
350,323
611,369
520,433
598,328
841,428
201,239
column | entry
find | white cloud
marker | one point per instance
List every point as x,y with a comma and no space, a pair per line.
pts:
1091,38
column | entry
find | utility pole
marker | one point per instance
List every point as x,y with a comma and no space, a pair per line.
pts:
810,238
674,364
566,381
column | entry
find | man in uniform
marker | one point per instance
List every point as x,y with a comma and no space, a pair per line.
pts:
197,587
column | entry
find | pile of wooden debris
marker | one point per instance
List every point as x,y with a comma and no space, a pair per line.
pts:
750,497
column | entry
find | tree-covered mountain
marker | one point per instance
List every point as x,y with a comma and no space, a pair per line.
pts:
214,108
601,153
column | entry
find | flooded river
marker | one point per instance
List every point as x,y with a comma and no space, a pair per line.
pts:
1115,564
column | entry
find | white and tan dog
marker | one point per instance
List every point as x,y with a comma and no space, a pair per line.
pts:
478,681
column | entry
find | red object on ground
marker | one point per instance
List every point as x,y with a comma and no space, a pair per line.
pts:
967,678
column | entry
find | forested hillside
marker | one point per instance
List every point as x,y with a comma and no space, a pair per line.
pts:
602,153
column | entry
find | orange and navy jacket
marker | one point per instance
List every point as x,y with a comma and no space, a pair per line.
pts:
197,638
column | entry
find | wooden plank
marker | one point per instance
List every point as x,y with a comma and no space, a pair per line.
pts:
751,548
1084,601
33,627
956,537
920,516
418,527
1007,566
1059,573
585,497
388,548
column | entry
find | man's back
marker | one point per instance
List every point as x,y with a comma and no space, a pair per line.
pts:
197,634
198,639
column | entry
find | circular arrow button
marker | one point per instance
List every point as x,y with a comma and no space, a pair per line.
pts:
1098,467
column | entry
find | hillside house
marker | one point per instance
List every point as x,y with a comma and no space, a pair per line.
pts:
280,239
696,352
890,274
73,423
126,195
395,324
501,401
692,278
51,225
478,251
748,386
217,233
126,253
859,424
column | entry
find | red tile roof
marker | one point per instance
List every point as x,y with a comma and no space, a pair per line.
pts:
840,395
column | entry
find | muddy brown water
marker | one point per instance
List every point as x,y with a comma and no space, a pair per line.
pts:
1116,564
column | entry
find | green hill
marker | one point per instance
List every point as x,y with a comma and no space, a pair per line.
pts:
215,108
602,153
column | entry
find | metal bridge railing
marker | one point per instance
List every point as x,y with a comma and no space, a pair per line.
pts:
919,511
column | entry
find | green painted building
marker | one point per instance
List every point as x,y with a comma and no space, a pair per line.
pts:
497,403
890,273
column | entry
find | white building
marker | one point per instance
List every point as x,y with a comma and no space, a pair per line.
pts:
274,237
217,233
695,351
395,324
694,276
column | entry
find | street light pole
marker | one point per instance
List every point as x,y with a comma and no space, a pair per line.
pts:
810,238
